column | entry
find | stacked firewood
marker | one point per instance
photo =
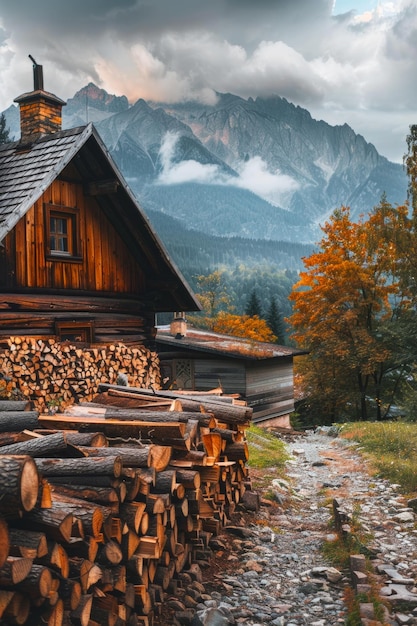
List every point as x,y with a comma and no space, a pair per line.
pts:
57,374
108,509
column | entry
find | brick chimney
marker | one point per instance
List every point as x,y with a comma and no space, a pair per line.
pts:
40,111
178,326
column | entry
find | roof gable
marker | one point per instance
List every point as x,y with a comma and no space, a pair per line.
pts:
26,172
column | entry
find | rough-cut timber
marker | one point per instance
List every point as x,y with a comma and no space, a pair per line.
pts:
129,518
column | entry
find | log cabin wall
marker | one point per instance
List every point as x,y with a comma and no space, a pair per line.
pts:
101,264
270,389
100,286
54,374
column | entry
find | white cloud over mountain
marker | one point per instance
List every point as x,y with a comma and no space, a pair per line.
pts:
354,67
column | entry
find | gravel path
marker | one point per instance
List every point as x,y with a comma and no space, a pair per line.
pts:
269,569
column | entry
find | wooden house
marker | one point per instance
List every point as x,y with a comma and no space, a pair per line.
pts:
79,260
262,373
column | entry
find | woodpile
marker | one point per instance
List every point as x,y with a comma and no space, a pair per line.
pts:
53,374
107,510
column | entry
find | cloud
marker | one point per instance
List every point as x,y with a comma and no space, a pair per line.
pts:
356,62
189,171
254,175
274,187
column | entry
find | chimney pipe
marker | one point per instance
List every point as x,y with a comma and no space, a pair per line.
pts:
37,75
178,326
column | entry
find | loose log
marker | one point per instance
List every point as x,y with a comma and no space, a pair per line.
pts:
130,541
110,466
165,481
70,592
14,570
223,412
5,599
81,615
19,484
237,451
54,522
27,543
4,542
56,559
51,617
97,440
130,456
131,513
110,553
39,446
85,548
189,478
17,610
203,419
91,515
37,583
89,574
18,420
99,495
89,481
113,427
14,405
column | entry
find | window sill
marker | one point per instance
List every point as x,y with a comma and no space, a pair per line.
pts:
65,258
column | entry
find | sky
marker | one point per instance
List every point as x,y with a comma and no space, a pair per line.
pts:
346,61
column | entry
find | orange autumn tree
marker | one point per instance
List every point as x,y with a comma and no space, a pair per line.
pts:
251,327
346,304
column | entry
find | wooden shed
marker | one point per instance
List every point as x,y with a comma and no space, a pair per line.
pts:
262,373
79,259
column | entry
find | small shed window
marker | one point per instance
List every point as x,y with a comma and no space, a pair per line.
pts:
75,331
62,236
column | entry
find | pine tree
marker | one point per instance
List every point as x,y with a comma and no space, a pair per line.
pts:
253,306
275,321
4,132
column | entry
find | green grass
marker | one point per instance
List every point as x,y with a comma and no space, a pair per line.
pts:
265,449
391,447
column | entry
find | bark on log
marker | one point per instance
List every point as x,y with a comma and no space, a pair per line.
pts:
14,405
37,583
31,544
109,466
19,484
91,515
97,440
99,495
131,513
14,570
130,456
39,446
54,522
18,420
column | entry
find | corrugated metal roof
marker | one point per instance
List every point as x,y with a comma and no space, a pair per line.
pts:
226,345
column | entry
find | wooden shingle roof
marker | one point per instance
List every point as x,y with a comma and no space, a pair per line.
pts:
26,172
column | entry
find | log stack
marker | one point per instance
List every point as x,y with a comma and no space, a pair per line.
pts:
107,510
56,374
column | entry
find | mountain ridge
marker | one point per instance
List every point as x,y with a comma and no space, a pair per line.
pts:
255,168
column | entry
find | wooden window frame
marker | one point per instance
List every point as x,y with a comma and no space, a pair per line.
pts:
72,217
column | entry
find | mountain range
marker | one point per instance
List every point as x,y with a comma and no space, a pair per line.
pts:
259,169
